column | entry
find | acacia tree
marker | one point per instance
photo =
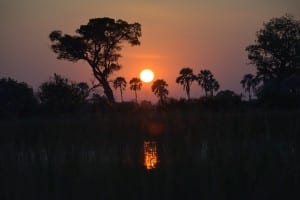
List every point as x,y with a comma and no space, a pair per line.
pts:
159,88
249,83
120,83
99,44
135,84
207,81
276,51
186,79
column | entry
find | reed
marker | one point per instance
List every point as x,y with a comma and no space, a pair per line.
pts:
201,154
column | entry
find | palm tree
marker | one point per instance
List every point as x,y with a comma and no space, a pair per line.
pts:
207,81
214,87
249,83
135,84
185,79
120,83
159,88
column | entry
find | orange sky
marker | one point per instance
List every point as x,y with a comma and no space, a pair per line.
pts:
175,34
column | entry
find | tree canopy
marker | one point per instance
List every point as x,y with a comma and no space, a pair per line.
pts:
135,84
276,51
99,44
276,56
59,95
159,88
16,98
120,83
186,79
207,81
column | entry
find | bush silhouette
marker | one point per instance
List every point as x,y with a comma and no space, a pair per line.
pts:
16,98
59,95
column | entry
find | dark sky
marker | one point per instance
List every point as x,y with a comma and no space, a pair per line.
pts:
207,34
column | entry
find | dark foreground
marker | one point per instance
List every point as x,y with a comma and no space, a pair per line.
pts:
201,155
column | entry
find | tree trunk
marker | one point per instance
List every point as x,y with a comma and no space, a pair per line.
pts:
135,97
161,99
107,90
188,92
121,94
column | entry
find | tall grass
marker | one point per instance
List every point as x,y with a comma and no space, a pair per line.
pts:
202,155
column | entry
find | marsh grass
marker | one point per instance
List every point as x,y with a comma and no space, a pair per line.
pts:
202,154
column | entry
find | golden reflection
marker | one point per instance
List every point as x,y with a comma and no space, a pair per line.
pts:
150,155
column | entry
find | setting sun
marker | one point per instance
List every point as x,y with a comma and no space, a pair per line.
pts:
146,75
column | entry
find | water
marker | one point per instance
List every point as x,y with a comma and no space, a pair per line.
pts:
149,169
150,155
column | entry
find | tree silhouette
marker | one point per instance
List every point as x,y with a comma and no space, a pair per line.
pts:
228,99
120,83
185,79
249,83
135,84
207,81
16,98
159,88
59,95
98,43
276,52
214,87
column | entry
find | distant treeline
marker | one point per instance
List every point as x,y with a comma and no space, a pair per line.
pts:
59,95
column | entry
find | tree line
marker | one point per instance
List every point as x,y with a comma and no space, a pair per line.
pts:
275,55
159,87
60,95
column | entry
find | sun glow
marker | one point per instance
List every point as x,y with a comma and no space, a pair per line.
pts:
147,75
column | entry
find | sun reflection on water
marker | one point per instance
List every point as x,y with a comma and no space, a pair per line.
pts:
150,155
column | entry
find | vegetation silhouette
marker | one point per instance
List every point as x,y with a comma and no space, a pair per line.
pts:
120,83
212,147
16,98
203,155
228,99
99,44
276,56
59,95
135,84
249,83
186,79
207,81
159,88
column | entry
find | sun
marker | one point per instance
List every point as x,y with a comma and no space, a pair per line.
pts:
147,75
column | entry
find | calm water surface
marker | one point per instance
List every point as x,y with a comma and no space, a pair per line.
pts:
150,154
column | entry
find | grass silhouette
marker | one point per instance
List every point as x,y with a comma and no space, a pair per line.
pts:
202,155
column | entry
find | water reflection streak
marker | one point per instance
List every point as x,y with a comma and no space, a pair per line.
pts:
150,155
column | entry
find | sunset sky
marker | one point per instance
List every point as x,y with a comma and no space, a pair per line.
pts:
200,34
